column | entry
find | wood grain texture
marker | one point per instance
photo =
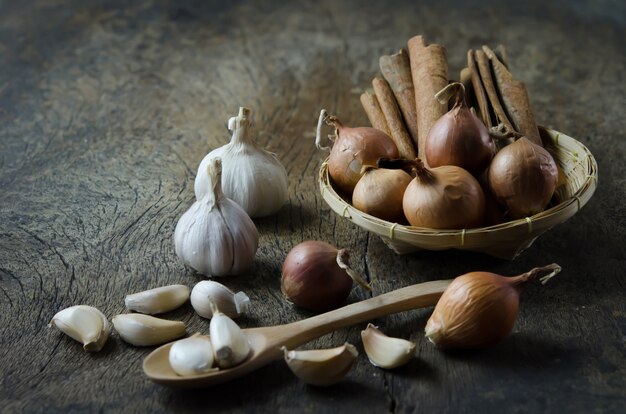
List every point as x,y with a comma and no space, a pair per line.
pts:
106,109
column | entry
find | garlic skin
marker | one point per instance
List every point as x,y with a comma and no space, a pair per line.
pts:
252,177
321,367
158,300
384,351
230,343
230,303
144,330
84,324
192,356
215,236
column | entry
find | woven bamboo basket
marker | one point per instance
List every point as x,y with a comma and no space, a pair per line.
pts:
506,240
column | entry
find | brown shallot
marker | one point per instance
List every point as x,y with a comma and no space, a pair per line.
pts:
459,137
379,193
352,149
446,197
479,309
317,276
523,177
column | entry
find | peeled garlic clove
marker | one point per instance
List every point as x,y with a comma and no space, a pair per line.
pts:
85,324
385,351
192,356
322,366
230,343
158,300
229,303
144,330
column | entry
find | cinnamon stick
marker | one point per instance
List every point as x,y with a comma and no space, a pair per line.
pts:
515,99
500,52
479,90
396,70
485,75
389,107
374,113
429,69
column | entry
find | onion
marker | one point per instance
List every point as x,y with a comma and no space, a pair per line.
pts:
353,148
479,309
458,137
523,177
316,276
379,193
446,197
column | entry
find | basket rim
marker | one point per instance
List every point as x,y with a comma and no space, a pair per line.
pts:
564,208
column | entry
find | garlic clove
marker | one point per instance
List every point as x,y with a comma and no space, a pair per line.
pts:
144,330
158,300
385,351
230,343
321,367
229,303
85,324
192,356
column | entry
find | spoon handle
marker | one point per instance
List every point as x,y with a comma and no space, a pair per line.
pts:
410,297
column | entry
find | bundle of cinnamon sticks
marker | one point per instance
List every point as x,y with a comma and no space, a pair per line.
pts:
404,105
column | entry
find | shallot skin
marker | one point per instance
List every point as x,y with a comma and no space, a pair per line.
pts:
478,309
354,148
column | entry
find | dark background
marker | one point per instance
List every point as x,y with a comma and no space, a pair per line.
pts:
106,109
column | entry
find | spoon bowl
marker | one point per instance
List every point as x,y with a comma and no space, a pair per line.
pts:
266,342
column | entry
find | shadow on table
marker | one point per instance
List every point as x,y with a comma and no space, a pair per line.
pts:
265,385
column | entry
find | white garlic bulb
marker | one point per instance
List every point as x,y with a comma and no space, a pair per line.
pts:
215,236
191,356
207,292
252,177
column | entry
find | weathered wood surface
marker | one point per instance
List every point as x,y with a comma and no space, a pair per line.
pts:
106,109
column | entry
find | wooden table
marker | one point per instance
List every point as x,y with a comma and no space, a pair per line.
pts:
106,109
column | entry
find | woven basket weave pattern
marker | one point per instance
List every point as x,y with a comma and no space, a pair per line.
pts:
506,240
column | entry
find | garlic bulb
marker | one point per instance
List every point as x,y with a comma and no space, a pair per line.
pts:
230,343
215,236
252,177
321,367
85,324
207,291
191,356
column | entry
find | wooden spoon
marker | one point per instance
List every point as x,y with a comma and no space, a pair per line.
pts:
267,341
